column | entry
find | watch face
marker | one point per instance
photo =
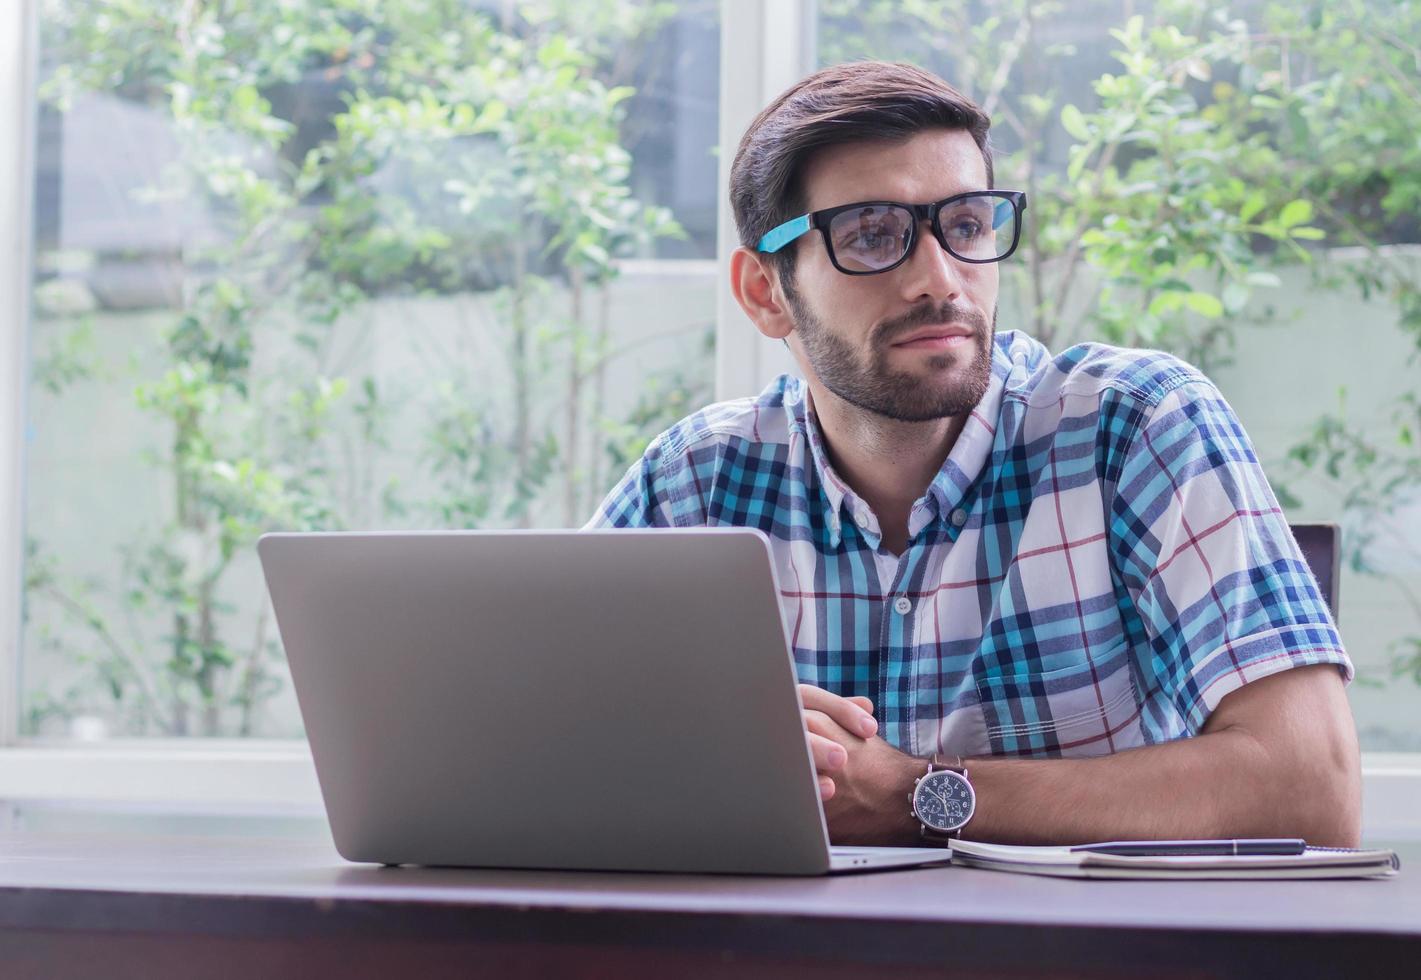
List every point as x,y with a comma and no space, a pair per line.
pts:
944,800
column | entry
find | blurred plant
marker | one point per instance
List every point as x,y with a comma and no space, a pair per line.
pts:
663,401
462,150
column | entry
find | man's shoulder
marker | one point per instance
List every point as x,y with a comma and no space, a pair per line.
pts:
1096,372
761,420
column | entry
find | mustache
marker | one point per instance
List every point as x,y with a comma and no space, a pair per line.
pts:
928,313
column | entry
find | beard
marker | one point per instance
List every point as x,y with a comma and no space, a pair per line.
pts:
952,384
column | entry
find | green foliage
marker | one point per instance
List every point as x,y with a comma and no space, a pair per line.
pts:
467,152
71,359
663,401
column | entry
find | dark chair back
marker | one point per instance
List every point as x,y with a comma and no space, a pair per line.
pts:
1321,545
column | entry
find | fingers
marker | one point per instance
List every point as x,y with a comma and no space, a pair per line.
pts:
854,715
833,723
829,756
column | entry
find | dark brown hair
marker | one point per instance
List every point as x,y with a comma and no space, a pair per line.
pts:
863,100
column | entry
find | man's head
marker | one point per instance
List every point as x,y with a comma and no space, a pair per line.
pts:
910,343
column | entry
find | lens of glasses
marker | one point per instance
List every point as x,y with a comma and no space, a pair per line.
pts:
870,238
980,228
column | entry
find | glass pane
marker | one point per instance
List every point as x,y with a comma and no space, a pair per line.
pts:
334,264
1195,186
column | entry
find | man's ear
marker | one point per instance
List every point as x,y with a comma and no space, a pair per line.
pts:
756,287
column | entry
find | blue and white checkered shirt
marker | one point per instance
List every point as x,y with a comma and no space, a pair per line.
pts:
1098,562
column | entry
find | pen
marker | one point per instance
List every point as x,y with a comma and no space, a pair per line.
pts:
1196,848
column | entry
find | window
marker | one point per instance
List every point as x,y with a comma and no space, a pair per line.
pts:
337,328
336,265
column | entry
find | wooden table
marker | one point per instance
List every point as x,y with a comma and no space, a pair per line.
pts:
157,905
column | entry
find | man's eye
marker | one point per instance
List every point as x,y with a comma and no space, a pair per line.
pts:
965,229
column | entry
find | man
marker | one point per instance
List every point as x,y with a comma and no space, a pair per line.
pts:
1069,572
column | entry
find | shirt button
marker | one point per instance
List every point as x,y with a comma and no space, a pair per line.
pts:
902,605
959,517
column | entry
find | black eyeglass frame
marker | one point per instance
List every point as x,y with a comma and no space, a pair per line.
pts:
921,212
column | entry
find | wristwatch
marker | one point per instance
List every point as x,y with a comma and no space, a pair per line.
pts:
943,800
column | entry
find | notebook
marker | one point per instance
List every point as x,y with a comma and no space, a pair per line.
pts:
1072,862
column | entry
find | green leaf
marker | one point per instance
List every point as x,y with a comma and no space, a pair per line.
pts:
493,114
1204,304
1074,122
1297,124
1255,203
1308,232
1295,213
1166,302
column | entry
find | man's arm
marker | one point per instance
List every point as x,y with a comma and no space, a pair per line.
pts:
1277,758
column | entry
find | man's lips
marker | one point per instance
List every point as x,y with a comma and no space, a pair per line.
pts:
940,337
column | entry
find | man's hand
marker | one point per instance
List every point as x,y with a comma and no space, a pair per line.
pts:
835,726
863,780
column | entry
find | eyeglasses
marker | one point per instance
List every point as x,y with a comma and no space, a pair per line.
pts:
876,236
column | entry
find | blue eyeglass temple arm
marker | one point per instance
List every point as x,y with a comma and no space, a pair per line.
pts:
777,238
780,236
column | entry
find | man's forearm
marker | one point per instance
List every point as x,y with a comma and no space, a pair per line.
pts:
1277,758
1223,784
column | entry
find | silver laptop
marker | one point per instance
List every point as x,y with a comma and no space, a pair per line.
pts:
617,700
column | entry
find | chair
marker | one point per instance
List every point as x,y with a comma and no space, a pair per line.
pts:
1321,545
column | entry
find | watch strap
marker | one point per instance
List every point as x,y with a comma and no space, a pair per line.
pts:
935,764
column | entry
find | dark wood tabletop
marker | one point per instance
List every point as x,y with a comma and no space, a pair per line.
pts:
119,904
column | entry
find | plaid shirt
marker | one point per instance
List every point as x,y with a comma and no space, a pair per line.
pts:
1098,562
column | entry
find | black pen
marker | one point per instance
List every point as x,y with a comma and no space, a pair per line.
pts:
1196,848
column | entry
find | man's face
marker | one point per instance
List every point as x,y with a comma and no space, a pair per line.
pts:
914,343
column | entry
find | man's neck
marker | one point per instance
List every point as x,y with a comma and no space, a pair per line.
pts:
889,464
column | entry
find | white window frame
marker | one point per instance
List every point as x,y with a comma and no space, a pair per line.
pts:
780,36
236,774
18,47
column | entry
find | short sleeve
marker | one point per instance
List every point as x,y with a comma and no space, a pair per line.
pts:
662,489
1221,589
629,503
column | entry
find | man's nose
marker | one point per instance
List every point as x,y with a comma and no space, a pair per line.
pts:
931,272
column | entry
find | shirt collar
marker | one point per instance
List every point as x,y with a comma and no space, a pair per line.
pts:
973,448
964,464
802,418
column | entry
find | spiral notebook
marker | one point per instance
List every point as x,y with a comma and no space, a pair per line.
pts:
1077,862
